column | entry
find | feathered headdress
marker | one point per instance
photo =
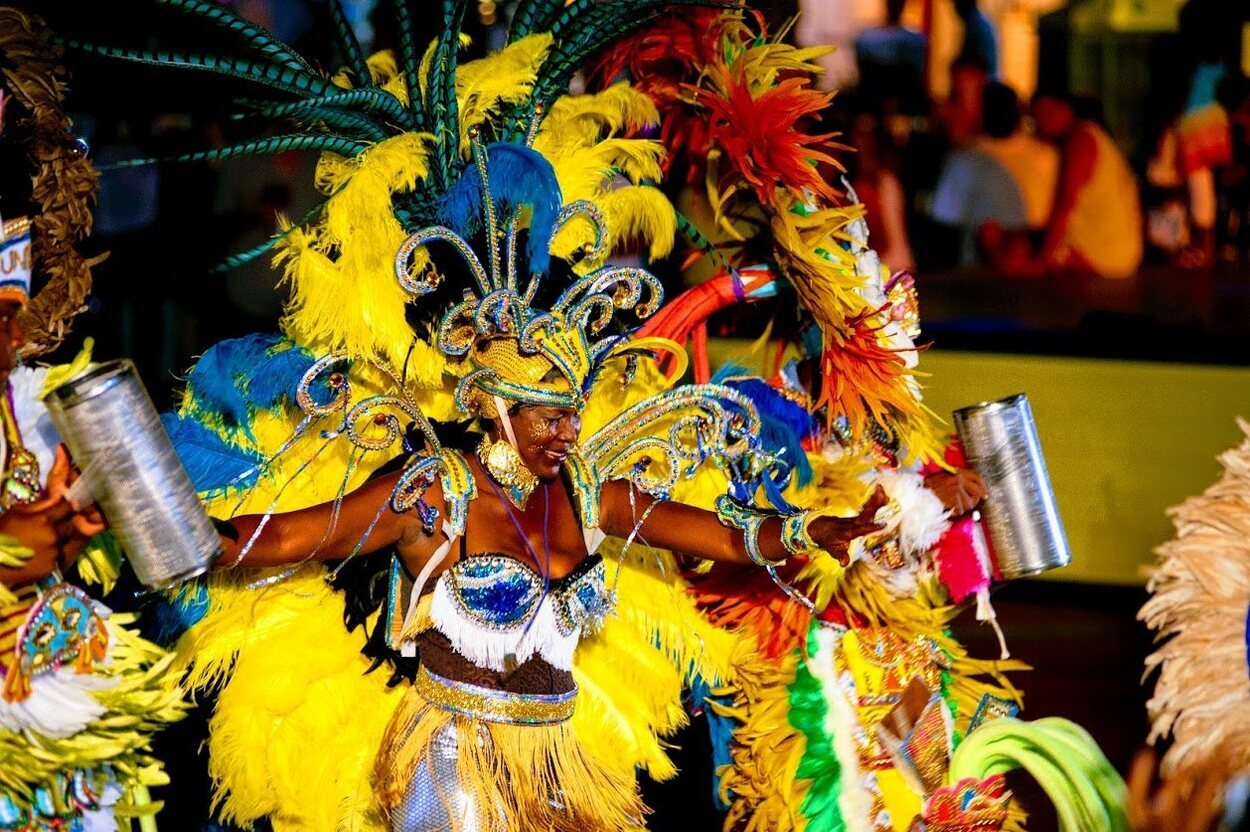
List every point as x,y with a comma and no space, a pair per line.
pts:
739,110
513,350
396,130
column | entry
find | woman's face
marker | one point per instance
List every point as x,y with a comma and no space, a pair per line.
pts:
10,337
545,436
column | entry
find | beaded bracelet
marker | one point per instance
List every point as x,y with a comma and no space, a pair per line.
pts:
795,535
737,516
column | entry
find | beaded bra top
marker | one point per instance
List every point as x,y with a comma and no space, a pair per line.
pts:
491,607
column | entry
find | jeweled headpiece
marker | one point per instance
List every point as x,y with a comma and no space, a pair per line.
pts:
15,260
506,346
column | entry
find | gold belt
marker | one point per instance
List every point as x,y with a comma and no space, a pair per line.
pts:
494,705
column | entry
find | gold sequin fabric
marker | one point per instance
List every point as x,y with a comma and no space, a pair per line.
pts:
494,705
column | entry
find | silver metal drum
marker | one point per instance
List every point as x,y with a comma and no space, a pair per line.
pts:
115,435
1000,440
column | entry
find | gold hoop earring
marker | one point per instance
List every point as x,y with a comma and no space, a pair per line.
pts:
506,467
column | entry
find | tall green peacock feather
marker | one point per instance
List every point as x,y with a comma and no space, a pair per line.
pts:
350,113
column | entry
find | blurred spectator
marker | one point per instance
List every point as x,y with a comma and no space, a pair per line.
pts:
891,61
980,43
1233,184
1209,47
1167,206
999,189
874,174
1095,226
1032,163
961,115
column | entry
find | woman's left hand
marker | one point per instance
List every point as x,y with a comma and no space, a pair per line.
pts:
960,491
835,534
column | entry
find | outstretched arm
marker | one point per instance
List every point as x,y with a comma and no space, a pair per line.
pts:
695,531
313,533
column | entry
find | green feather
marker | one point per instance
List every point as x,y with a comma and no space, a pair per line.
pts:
532,16
279,77
809,705
442,88
353,55
259,147
254,37
374,101
581,30
333,120
695,236
410,65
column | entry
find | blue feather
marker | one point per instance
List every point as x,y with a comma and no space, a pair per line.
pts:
783,427
720,730
519,178
278,376
211,462
180,611
216,382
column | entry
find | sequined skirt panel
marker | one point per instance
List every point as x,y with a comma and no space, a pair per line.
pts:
441,771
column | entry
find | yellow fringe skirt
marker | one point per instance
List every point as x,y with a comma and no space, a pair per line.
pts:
465,759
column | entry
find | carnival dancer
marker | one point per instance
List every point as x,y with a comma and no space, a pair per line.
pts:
845,710
504,542
82,694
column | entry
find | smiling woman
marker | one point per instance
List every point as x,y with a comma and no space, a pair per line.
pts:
496,577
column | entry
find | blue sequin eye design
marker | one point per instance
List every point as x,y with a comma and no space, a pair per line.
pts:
500,593
495,592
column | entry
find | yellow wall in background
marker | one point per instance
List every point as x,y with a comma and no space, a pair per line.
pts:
1123,441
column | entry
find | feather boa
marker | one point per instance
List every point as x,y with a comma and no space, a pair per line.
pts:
1200,591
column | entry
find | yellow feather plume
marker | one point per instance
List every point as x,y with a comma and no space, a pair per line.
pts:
761,786
822,272
581,139
383,72
295,731
640,213
578,120
506,77
765,63
344,292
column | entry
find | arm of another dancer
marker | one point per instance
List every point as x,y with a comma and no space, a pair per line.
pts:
698,532
314,533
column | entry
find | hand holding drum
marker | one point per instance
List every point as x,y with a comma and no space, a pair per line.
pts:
110,425
1001,444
